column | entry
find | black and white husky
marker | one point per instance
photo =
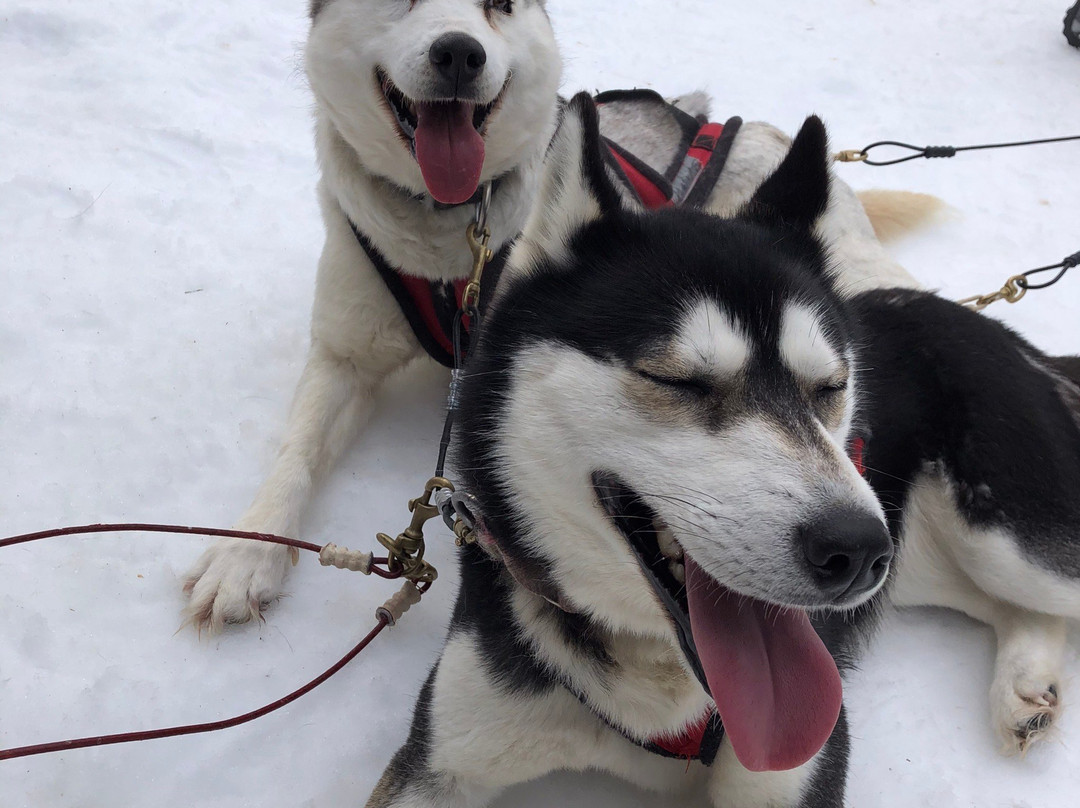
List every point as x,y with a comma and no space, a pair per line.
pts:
698,470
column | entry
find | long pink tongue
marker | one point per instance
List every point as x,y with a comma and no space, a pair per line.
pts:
449,150
775,685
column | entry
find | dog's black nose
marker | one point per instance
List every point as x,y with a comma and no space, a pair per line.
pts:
849,552
458,58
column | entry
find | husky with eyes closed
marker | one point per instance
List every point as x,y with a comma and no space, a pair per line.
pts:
679,436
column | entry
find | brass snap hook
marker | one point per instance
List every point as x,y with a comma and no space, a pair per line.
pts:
478,239
406,552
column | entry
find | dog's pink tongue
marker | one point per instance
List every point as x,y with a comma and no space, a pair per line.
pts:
775,685
449,150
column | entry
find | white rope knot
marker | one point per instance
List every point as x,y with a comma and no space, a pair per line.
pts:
399,603
345,559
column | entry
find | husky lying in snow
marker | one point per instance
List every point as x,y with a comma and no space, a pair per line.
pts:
656,424
389,78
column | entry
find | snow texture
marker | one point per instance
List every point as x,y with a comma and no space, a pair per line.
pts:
158,238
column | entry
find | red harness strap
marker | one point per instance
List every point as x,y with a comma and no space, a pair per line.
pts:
421,294
858,447
656,191
430,306
653,191
650,193
701,152
423,300
688,744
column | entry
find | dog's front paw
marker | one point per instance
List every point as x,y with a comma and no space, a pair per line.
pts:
1025,707
233,582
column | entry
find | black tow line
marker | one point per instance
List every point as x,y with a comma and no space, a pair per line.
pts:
931,152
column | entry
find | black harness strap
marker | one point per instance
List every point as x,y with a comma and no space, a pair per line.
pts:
703,188
706,752
442,296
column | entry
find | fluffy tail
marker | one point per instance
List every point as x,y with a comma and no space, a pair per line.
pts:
895,213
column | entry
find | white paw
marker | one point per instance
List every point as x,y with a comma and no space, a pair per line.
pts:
233,582
1025,707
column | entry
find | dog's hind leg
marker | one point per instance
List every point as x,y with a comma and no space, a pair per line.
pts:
946,562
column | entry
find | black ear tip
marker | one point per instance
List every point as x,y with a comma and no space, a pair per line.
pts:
583,106
582,101
797,192
812,136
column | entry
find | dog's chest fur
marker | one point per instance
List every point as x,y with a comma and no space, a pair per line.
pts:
637,683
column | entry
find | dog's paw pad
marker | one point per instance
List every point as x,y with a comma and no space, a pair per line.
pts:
234,582
1027,715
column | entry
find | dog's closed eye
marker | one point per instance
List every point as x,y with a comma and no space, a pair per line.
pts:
829,391
693,385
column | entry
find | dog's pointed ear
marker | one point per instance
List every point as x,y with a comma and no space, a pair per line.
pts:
797,192
575,187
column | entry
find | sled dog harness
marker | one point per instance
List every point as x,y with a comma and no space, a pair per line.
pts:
692,174
429,306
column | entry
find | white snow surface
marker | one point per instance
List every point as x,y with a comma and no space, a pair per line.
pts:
158,238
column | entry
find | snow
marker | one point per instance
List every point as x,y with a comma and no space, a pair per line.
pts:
158,236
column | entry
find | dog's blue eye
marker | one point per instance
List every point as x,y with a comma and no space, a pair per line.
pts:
697,387
505,6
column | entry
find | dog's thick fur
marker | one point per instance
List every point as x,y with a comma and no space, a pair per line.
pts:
710,364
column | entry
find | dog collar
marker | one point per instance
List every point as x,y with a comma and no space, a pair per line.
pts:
697,741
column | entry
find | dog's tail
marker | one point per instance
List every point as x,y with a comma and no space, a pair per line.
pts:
895,213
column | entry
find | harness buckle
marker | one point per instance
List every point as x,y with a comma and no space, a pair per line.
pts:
478,238
406,552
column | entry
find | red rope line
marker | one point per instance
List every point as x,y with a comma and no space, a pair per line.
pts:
192,729
208,726
195,531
